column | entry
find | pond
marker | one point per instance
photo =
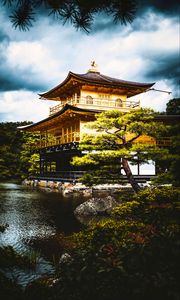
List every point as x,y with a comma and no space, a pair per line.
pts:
32,214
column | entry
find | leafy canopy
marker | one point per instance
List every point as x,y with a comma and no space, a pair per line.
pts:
119,136
169,165
173,107
16,157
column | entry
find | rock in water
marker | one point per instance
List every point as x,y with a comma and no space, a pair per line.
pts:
65,259
96,206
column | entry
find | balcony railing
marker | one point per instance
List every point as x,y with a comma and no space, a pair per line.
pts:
74,137
97,103
57,140
55,109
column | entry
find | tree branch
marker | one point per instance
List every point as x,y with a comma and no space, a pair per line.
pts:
133,139
114,133
117,130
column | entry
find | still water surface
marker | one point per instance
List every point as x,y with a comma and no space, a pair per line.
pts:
32,213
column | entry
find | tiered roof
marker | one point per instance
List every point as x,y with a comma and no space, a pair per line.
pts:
96,79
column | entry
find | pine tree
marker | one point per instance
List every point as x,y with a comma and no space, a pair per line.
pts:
121,138
173,107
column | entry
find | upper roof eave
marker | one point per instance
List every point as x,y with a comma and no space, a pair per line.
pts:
98,79
70,74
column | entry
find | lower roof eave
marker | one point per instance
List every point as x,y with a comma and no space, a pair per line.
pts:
65,108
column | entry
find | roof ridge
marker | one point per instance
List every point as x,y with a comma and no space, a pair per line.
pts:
103,76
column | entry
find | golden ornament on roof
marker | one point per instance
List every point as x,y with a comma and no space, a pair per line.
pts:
93,66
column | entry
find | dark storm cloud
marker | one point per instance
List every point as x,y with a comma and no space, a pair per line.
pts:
104,22
10,80
4,38
161,6
101,24
164,67
169,9
14,78
159,67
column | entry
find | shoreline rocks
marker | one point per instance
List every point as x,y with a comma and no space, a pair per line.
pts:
96,206
79,190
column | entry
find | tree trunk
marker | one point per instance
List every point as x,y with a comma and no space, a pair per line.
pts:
130,176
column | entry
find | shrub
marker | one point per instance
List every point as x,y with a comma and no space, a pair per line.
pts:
9,257
132,255
9,289
122,260
159,206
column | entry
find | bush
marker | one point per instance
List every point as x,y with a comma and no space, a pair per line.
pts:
9,257
9,289
130,256
122,260
159,206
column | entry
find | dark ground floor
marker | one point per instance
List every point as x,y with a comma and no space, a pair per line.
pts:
55,164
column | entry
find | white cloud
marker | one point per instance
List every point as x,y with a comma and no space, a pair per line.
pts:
35,57
22,106
50,51
156,100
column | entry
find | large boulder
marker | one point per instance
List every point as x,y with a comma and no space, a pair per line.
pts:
96,206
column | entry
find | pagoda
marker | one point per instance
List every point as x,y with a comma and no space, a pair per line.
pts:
79,97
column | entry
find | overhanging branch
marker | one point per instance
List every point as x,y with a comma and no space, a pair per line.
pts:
133,139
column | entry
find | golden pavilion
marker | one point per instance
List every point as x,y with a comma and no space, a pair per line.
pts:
79,97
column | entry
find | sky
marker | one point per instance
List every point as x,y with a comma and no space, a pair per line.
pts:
32,62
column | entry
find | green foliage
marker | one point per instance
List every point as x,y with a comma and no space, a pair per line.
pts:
157,206
115,142
104,174
52,247
130,256
10,144
29,161
16,158
87,160
9,258
40,289
169,165
173,107
10,289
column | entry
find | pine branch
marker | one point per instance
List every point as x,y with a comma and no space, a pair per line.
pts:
23,17
80,13
123,11
133,139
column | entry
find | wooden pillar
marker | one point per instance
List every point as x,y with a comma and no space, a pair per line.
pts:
41,166
138,168
62,136
45,165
